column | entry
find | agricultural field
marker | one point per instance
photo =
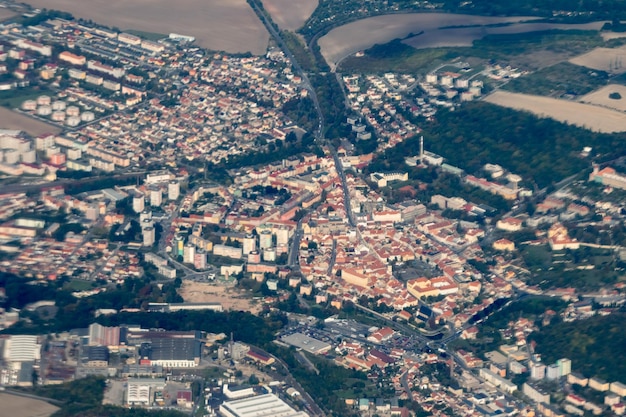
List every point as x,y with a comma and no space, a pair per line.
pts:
222,25
12,120
356,36
290,14
16,406
601,97
430,30
5,14
530,51
464,36
611,60
595,118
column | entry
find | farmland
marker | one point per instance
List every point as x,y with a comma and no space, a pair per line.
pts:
348,39
12,120
290,14
15,406
529,51
216,24
595,118
601,97
428,30
5,14
603,59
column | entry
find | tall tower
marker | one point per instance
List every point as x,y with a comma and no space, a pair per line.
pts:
421,150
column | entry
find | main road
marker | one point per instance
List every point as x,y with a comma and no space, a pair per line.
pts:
319,133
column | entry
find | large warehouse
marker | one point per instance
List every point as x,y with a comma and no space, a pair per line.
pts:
268,405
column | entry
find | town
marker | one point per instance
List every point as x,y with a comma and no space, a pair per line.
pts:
148,199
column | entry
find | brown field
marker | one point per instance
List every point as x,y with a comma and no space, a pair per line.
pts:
16,406
12,120
600,97
229,297
611,60
290,14
5,14
437,31
224,25
588,116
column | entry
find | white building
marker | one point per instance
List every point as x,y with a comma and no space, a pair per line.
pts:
173,190
139,203
268,405
156,198
148,236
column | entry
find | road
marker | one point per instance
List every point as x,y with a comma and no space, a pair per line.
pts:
294,249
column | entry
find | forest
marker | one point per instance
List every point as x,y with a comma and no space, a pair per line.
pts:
595,345
542,151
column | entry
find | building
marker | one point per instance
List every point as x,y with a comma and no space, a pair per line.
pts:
100,335
598,384
552,372
538,371
141,390
504,245
167,349
173,190
609,177
267,405
535,393
139,203
382,179
510,224
21,348
148,234
309,344
497,380
72,59
575,378
565,366
618,388
156,197
249,244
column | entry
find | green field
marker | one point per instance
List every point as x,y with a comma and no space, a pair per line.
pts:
78,285
151,36
14,98
558,80
532,50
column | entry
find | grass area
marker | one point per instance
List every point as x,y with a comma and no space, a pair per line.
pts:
523,49
151,36
568,269
14,98
558,80
78,285
305,57
398,57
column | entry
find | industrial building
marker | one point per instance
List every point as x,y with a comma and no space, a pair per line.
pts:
268,405
309,344
168,349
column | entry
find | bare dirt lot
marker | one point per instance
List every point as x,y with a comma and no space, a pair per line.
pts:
599,119
437,31
611,60
290,14
230,298
5,14
601,97
225,25
16,406
12,120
